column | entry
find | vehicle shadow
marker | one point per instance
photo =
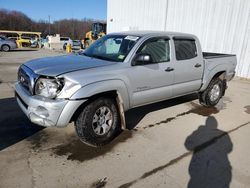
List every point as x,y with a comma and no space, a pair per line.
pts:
14,125
209,166
24,50
135,115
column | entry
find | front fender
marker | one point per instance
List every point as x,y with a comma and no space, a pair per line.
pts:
101,87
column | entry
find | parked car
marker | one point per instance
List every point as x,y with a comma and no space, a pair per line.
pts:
7,44
14,39
34,42
24,41
116,73
77,44
64,41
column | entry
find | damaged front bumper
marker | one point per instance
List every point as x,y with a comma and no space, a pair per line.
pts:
46,112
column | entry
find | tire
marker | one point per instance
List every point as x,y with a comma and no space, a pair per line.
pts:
94,118
212,95
5,48
64,46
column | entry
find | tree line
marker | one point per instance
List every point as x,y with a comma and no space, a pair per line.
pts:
18,21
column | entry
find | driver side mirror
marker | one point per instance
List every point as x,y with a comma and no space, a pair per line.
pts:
142,59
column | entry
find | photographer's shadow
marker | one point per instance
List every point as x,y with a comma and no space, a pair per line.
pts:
209,166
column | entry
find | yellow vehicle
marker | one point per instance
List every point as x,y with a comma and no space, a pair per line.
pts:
24,41
23,38
98,30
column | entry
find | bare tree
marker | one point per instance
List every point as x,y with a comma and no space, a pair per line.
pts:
15,20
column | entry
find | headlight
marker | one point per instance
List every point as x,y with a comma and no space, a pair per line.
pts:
48,87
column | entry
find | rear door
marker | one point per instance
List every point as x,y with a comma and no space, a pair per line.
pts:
153,81
188,66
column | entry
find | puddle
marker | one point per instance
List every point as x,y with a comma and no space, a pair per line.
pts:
99,183
161,122
205,111
247,109
38,140
75,150
197,109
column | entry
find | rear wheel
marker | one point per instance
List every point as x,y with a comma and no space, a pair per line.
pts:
99,122
212,95
5,48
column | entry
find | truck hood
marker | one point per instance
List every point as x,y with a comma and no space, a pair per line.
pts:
54,66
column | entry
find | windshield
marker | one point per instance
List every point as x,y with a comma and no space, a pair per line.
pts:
111,47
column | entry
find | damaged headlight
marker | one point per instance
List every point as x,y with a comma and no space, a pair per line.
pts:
48,87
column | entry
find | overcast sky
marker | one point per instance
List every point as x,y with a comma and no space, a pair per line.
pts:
58,9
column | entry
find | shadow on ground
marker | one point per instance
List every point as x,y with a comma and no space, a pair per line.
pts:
209,166
135,115
14,125
24,50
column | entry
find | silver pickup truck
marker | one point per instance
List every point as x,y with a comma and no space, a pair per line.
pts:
118,72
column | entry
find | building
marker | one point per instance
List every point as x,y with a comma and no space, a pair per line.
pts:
222,26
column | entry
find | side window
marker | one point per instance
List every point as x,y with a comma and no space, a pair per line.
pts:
185,49
157,48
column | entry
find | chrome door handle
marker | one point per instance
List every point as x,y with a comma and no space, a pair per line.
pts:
169,69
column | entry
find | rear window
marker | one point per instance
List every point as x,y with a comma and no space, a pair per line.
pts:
185,49
2,38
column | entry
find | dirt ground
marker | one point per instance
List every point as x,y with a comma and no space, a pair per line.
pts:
175,143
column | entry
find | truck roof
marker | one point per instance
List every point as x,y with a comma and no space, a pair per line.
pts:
143,33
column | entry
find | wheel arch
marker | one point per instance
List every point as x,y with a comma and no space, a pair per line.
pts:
113,94
5,45
220,74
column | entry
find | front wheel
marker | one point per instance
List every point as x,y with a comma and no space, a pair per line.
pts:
99,122
212,95
5,48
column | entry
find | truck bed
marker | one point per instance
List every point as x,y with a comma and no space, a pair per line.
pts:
210,55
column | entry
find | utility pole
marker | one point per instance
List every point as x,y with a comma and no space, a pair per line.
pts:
49,24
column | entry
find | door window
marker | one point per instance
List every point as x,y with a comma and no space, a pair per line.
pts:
157,48
185,49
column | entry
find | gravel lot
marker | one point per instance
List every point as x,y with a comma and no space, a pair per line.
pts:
173,144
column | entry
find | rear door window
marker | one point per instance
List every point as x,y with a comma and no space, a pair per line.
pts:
185,49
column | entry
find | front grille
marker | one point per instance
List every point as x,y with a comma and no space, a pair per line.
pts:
24,79
27,78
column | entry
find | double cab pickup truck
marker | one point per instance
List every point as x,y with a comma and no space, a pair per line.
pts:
118,72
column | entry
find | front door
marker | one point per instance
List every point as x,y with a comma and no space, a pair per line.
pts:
152,81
